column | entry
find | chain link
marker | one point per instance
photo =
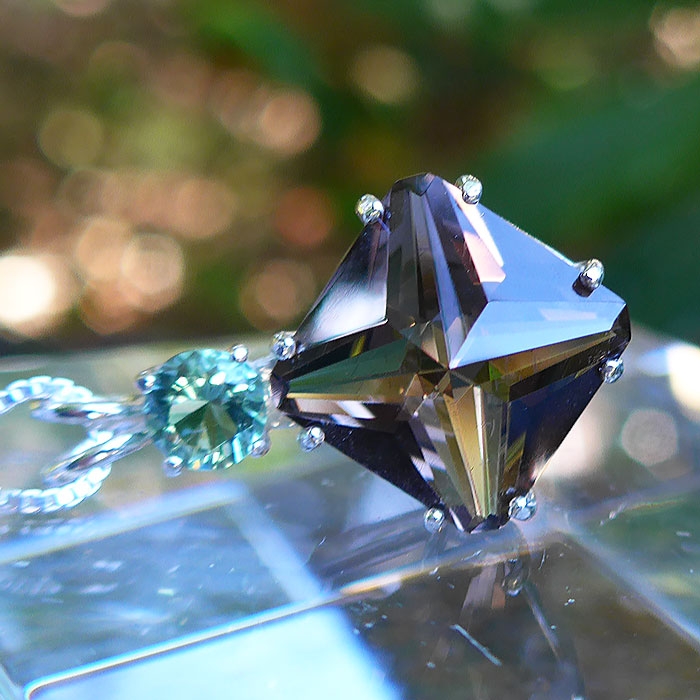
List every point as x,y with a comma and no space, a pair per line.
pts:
54,390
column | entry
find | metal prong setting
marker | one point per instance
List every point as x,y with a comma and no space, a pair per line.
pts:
515,578
471,188
284,347
172,466
239,353
311,438
590,277
434,520
146,380
261,447
369,209
612,370
523,507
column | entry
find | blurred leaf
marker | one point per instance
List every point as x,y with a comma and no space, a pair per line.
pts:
657,270
565,179
255,31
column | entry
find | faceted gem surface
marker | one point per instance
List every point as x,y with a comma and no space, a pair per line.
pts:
450,353
207,409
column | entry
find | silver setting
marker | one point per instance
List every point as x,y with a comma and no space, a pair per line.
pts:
284,347
523,507
591,275
172,466
19,391
78,474
239,353
515,578
471,188
369,209
612,370
311,438
434,520
39,386
6,402
115,426
261,447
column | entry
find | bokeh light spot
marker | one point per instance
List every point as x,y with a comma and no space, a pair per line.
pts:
105,310
182,79
82,8
683,362
564,63
81,192
100,246
117,60
202,208
71,137
153,271
677,35
230,98
289,123
450,13
278,293
386,74
26,184
650,437
34,290
304,216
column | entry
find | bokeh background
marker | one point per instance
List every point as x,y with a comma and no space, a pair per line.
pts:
174,170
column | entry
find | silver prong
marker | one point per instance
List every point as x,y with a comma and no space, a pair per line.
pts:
591,276
471,188
515,578
172,466
523,507
434,520
146,380
612,370
311,438
369,209
239,353
284,347
261,447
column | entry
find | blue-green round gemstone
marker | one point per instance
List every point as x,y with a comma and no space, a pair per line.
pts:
207,409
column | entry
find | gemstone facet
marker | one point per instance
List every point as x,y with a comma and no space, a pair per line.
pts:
207,409
450,353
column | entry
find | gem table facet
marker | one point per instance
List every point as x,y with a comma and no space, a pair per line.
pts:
207,409
450,353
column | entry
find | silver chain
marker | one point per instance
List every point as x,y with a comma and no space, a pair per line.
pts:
80,473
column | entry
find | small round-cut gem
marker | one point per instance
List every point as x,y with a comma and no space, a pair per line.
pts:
207,409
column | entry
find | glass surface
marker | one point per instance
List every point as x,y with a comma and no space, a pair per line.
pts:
305,575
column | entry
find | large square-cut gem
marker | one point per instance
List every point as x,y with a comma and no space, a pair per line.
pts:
450,353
